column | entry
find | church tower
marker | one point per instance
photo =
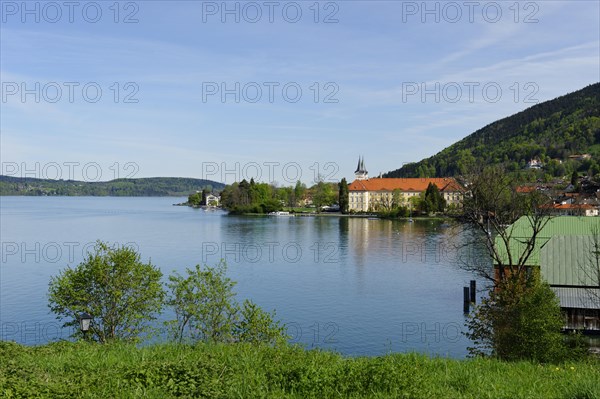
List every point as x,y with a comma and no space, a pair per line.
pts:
361,172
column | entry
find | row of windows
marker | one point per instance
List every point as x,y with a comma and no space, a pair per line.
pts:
401,192
379,196
387,193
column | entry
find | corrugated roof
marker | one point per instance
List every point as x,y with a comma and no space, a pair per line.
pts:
521,231
405,184
565,260
579,298
561,225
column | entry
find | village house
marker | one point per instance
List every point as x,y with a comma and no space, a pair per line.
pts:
380,193
535,163
575,204
570,209
563,256
212,200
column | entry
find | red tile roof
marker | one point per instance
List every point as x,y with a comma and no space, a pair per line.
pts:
569,206
405,184
573,206
525,189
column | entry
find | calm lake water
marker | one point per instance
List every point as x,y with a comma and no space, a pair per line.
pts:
354,285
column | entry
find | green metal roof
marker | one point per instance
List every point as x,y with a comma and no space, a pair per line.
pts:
521,231
565,260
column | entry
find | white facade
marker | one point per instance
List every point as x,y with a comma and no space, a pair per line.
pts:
212,200
371,195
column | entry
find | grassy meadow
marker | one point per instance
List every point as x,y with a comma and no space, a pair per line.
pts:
86,370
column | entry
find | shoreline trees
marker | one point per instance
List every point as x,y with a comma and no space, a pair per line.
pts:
251,197
124,295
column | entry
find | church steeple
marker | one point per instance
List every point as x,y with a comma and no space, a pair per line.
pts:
361,172
358,166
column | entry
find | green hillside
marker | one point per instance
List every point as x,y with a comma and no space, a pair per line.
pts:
551,131
145,187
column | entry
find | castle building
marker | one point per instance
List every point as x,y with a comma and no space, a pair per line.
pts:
383,193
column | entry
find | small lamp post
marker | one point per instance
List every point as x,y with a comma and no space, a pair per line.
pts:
85,321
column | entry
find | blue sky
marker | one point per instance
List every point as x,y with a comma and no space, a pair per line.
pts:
363,76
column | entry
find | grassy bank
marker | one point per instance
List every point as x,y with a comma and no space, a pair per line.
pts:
66,370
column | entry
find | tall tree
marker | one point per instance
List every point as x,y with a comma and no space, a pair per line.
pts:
323,194
520,319
574,178
433,201
205,194
299,191
344,196
492,204
245,197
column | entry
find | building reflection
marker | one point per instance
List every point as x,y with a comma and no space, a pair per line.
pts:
373,240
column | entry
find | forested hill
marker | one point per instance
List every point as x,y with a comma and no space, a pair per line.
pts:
551,131
144,187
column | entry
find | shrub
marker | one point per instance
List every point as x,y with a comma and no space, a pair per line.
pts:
206,310
519,322
115,287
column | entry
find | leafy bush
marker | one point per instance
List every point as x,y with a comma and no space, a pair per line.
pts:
203,304
206,310
113,285
257,326
519,322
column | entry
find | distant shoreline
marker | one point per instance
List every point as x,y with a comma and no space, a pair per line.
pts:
93,196
126,187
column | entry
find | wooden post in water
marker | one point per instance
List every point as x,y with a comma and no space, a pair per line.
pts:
473,291
466,299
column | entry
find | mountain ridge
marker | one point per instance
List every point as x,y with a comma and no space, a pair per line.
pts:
550,131
122,187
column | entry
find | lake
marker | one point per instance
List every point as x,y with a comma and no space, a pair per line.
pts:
358,286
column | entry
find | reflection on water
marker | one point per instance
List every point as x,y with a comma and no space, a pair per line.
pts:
355,285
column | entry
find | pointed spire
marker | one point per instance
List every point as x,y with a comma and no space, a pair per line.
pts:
361,172
358,166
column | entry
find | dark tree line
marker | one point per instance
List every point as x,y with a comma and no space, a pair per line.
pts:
143,187
250,197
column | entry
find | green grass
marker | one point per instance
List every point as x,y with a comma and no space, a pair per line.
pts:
83,370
